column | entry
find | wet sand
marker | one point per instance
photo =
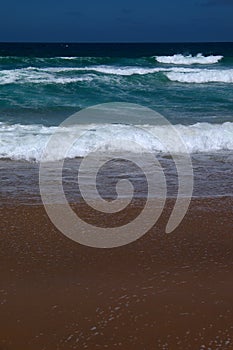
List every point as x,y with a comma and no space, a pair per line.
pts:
161,292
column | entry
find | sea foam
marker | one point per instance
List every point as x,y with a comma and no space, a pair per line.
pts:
37,76
202,76
66,75
62,75
27,142
181,59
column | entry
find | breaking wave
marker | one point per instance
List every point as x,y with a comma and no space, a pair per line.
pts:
188,60
202,76
37,76
27,142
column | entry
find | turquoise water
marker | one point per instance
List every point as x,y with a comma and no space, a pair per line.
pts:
42,84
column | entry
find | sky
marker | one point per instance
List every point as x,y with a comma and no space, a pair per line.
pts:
116,20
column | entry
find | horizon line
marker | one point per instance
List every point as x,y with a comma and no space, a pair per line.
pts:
115,42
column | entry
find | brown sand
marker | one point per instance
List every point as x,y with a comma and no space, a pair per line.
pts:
162,292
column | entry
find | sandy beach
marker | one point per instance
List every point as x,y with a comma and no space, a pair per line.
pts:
161,292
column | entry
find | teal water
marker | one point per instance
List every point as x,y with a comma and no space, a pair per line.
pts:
44,83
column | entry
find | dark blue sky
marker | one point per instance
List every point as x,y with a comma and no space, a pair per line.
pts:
116,20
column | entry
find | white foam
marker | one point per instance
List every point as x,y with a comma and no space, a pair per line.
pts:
61,75
181,59
52,75
24,142
202,76
68,58
37,76
125,71
114,70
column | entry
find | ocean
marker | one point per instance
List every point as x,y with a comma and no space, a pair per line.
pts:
191,85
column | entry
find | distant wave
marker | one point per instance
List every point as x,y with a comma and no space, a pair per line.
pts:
202,76
114,70
188,60
26,142
27,60
37,76
67,58
66,75
52,75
